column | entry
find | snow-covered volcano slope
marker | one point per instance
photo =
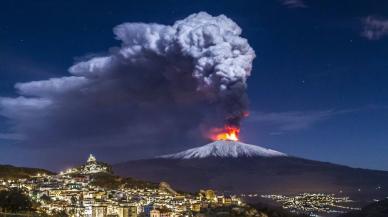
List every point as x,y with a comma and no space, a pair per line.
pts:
225,148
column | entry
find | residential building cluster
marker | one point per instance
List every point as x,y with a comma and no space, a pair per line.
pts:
73,191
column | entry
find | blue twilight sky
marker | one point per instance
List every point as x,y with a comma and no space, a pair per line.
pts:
318,87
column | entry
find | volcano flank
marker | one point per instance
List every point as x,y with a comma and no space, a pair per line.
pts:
242,168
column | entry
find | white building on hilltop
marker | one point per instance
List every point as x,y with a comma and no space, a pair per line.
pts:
93,166
91,159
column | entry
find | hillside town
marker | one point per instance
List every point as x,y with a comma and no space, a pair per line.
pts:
76,193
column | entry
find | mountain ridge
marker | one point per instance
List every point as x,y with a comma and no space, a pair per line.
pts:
225,148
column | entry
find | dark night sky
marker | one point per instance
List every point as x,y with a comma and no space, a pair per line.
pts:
318,88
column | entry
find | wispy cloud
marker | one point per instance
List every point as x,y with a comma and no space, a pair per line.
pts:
374,28
294,120
11,136
282,122
294,3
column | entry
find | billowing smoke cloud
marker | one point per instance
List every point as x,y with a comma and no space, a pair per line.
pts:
163,84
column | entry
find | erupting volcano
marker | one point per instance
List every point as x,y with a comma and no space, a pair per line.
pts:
226,133
225,144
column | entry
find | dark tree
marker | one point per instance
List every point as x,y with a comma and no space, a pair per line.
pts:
73,200
14,200
45,198
60,214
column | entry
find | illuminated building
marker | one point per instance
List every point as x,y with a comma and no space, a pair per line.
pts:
93,166
99,211
196,207
127,211
154,213
210,195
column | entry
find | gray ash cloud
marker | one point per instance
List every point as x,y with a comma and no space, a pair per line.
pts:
162,85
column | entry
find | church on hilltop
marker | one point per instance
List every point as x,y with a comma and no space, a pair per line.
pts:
92,166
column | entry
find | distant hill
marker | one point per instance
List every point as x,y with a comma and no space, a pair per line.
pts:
8,172
378,209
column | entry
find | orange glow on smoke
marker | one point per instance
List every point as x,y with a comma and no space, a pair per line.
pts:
228,133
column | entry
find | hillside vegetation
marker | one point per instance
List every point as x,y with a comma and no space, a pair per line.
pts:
109,181
12,172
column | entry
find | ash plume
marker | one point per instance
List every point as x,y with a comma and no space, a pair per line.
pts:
163,84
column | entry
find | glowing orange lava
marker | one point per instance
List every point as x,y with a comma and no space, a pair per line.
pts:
227,133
